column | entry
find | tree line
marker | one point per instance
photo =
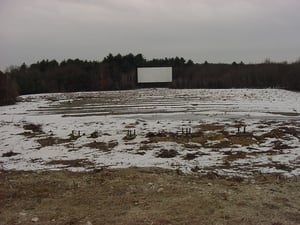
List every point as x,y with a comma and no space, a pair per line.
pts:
264,75
8,89
112,73
117,72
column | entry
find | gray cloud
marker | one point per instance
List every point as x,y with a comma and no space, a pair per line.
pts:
214,30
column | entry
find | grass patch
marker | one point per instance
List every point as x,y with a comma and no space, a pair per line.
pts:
35,128
164,153
243,140
145,147
277,166
232,156
221,144
278,145
72,163
50,141
224,139
190,156
211,127
103,146
95,134
191,145
9,154
284,133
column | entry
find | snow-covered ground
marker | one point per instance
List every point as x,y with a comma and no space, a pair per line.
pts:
271,143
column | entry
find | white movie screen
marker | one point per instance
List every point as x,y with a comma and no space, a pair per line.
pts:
154,75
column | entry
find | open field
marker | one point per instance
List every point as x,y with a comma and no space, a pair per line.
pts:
145,196
235,132
152,156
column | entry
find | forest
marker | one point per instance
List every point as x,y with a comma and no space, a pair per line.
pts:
117,72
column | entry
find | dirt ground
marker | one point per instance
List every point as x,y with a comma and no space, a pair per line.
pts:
146,196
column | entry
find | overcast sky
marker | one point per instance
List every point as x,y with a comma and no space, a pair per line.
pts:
212,30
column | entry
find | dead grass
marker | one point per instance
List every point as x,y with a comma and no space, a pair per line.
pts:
32,130
211,127
28,134
276,165
103,146
146,196
165,153
284,133
224,139
234,155
221,144
278,145
243,140
212,136
50,141
10,154
190,156
95,134
191,145
130,126
35,128
145,147
72,163
129,137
